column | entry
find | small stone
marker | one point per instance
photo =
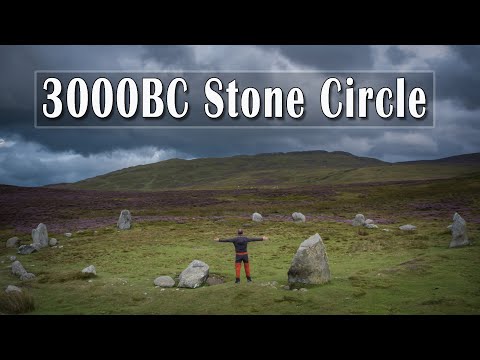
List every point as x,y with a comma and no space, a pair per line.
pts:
371,226
12,288
68,235
295,290
257,217
60,247
90,270
26,249
286,287
387,230
369,221
12,258
90,280
359,220
52,242
298,217
408,227
13,242
164,281
303,289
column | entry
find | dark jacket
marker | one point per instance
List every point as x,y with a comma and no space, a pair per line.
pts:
240,242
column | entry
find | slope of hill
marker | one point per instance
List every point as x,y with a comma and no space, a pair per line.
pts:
278,169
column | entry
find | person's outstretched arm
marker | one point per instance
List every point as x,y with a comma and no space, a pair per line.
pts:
258,239
224,240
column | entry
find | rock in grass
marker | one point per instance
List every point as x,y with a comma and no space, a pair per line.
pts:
124,220
164,282
19,270
90,270
310,263
52,242
13,242
371,226
26,249
12,258
257,217
369,221
40,236
359,220
12,288
194,275
459,232
298,217
68,234
408,227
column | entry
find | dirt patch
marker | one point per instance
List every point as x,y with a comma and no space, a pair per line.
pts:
215,280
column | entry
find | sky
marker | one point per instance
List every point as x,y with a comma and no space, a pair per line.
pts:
33,157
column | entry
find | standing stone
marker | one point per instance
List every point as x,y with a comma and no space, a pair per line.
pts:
298,217
359,220
257,217
90,270
19,270
408,227
52,242
27,249
124,221
164,282
13,288
459,232
40,236
194,275
310,263
13,242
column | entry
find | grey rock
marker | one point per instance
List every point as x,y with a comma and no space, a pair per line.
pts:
257,217
13,242
194,275
26,249
359,220
303,290
124,220
298,217
369,221
52,242
40,236
408,227
371,226
90,270
286,287
12,288
68,234
27,276
310,263
459,232
164,281
12,258
19,270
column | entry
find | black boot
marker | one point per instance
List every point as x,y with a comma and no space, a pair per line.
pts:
249,279
237,281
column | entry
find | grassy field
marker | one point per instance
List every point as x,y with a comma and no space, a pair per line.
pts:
373,271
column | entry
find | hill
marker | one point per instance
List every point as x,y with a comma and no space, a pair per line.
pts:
276,170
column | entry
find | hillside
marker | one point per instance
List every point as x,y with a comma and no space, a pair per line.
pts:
278,169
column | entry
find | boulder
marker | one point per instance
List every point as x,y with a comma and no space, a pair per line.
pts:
257,217
26,249
298,217
13,242
194,275
408,227
124,220
52,242
459,232
310,263
90,270
19,270
12,288
40,236
359,220
371,226
164,282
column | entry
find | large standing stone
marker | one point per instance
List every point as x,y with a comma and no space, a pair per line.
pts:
359,220
194,275
40,236
298,217
408,227
310,263
26,249
13,242
459,232
19,270
124,221
257,217
164,281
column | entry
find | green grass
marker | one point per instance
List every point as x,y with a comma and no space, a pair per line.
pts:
378,273
274,170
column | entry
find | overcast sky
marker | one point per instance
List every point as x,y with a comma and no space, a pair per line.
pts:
30,156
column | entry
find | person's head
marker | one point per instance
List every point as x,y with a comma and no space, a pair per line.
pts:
240,232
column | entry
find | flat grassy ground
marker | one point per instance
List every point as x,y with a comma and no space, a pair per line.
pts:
373,271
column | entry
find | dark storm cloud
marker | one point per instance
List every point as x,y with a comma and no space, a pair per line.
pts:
40,156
